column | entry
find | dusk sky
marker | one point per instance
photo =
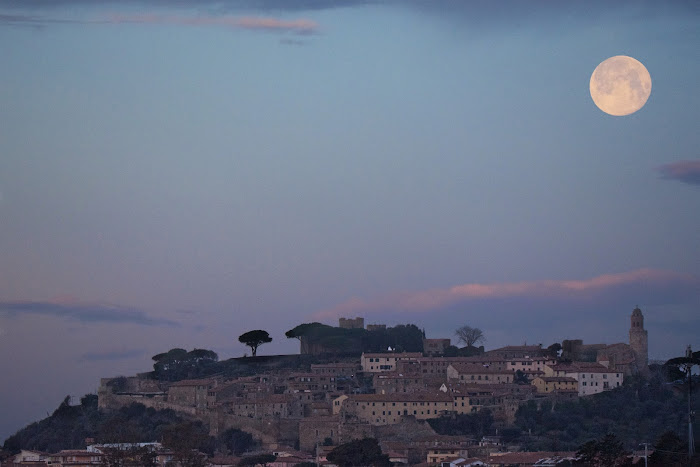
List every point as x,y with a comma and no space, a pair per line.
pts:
175,173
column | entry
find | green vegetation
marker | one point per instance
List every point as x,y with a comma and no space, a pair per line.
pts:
363,452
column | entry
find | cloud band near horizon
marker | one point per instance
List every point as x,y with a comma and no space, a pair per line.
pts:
298,26
682,171
84,312
433,300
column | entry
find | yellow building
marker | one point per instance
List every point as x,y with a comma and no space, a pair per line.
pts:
386,409
548,384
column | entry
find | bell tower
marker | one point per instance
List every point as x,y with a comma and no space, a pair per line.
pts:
639,340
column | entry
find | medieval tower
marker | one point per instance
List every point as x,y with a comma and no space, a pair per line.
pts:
639,340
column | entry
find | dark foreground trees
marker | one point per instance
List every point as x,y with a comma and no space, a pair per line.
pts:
177,364
259,459
474,425
364,452
606,452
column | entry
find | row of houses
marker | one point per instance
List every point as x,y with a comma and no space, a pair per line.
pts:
341,401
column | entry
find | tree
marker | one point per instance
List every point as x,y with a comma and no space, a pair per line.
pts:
607,452
520,378
474,425
236,441
363,452
177,364
470,336
128,456
186,440
255,339
669,449
554,349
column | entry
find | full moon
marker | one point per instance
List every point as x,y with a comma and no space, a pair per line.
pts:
620,85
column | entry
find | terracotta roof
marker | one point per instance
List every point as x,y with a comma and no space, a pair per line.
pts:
558,379
335,365
527,457
193,382
394,355
402,397
476,368
447,360
582,367
518,347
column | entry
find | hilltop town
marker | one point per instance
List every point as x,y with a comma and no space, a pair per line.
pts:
300,408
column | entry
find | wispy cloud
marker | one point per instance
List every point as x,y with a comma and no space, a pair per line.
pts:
630,283
682,171
84,312
112,355
298,26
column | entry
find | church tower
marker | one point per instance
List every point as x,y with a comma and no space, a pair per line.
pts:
639,340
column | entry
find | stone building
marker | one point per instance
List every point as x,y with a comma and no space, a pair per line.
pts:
378,362
191,392
547,384
313,431
346,369
639,340
518,351
384,409
434,347
390,382
592,377
629,359
476,373
350,323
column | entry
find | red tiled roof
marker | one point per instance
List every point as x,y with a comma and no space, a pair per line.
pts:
476,368
558,379
402,397
193,382
393,355
526,457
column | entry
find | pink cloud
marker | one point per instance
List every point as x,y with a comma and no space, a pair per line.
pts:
683,171
438,299
299,26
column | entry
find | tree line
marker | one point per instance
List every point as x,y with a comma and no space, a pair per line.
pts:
69,426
